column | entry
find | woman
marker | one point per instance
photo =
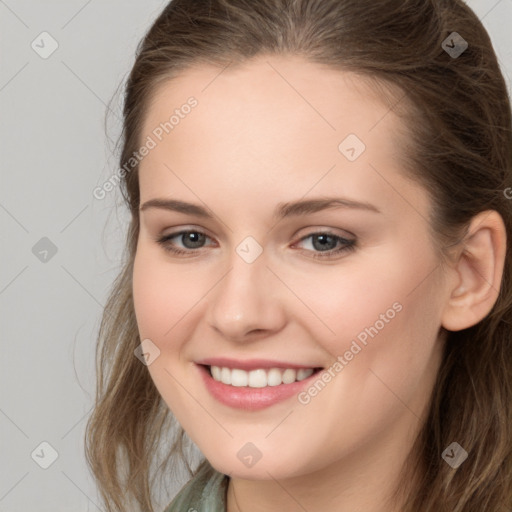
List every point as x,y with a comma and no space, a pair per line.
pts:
317,280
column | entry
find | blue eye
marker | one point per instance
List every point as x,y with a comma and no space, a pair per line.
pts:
190,240
323,244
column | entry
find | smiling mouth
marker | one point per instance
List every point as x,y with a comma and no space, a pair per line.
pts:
260,377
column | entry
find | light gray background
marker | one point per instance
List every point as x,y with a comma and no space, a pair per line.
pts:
54,152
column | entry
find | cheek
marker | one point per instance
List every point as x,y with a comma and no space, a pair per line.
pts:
162,293
382,318
340,305
385,355
163,296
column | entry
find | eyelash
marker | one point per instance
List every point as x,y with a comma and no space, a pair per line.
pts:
349,245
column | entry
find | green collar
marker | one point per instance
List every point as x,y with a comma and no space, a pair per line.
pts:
205,492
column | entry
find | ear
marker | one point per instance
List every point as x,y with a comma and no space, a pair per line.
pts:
478,270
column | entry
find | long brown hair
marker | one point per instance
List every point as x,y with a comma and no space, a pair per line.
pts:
458,146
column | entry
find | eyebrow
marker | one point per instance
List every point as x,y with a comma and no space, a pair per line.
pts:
289,209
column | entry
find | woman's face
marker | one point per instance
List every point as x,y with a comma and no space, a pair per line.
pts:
261,282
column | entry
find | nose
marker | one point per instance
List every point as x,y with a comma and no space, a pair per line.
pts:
248,302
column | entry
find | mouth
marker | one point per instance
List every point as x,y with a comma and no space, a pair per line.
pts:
255,389
259,377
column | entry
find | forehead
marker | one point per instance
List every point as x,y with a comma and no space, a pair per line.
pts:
274,124
271,87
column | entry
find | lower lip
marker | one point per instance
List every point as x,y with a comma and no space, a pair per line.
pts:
251,399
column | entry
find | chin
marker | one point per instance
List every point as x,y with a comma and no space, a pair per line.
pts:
263,469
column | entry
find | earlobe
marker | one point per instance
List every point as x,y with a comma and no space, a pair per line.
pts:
479,270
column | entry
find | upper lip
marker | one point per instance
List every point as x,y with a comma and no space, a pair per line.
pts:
251,364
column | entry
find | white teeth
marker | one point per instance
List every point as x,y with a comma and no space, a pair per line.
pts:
274,377
225,375
304,373
216,371
259,378
239,378
289,376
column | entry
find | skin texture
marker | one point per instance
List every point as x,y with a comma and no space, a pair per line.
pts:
262,134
